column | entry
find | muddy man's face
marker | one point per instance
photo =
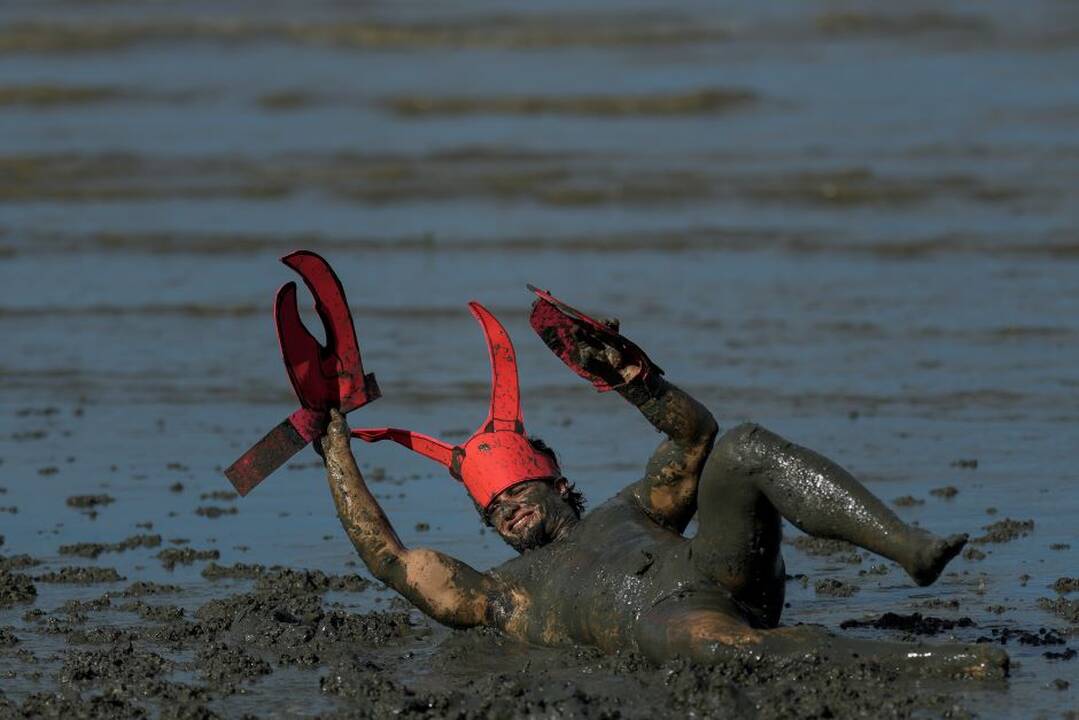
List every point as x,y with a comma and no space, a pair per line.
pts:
529,514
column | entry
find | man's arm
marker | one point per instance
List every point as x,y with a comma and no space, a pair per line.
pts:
668,491
445,589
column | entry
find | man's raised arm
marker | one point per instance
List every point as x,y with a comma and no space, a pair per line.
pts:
445,589
668,490
599,353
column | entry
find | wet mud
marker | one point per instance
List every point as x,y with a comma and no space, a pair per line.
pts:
913,624
1004,531
834,588
701,102
395,662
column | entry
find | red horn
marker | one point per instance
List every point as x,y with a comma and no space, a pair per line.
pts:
505,412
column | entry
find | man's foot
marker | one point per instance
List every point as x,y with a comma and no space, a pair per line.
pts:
932,555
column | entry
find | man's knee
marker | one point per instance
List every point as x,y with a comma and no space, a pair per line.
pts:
736,447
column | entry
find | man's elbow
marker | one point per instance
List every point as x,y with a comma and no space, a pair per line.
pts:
386,567
703,430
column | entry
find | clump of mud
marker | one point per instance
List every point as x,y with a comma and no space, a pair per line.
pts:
80,575
17,562
1067,609
708,101
947,492
1024,637
821,546
1065,585
93,550
281,578
55,95
938,604
15,588
1004,531
212,511
913,624
834,588
7,637
143,588
89,501
171,557
225,495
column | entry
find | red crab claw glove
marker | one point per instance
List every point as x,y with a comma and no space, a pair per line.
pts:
593,349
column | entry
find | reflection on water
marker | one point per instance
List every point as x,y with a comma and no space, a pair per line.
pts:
857,226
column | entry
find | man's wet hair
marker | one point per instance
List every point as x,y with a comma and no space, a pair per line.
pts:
573,496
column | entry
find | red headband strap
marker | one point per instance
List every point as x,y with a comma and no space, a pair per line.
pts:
425,445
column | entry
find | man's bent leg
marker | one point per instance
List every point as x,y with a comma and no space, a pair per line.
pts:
753,475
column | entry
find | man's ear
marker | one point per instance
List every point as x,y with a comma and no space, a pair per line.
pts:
561,486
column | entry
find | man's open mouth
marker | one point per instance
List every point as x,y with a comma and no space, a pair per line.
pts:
520,518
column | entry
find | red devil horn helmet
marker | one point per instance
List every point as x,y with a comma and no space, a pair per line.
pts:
499,454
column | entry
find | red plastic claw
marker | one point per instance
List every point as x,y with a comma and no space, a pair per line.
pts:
565,329
323,376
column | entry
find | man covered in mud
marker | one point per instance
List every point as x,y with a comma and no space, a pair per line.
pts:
624,577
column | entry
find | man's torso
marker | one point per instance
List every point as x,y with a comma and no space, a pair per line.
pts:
592,585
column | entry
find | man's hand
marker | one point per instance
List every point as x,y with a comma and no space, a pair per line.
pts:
603,360
337,435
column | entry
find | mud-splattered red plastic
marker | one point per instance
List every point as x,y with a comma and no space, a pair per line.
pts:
498,455
323,376
563,329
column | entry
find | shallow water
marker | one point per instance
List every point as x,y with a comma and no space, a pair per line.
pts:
876,256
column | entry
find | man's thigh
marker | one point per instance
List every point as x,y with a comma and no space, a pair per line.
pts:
696,625
740,532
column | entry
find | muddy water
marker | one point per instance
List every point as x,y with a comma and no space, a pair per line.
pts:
853,224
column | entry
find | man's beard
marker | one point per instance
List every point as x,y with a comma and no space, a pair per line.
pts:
533,538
